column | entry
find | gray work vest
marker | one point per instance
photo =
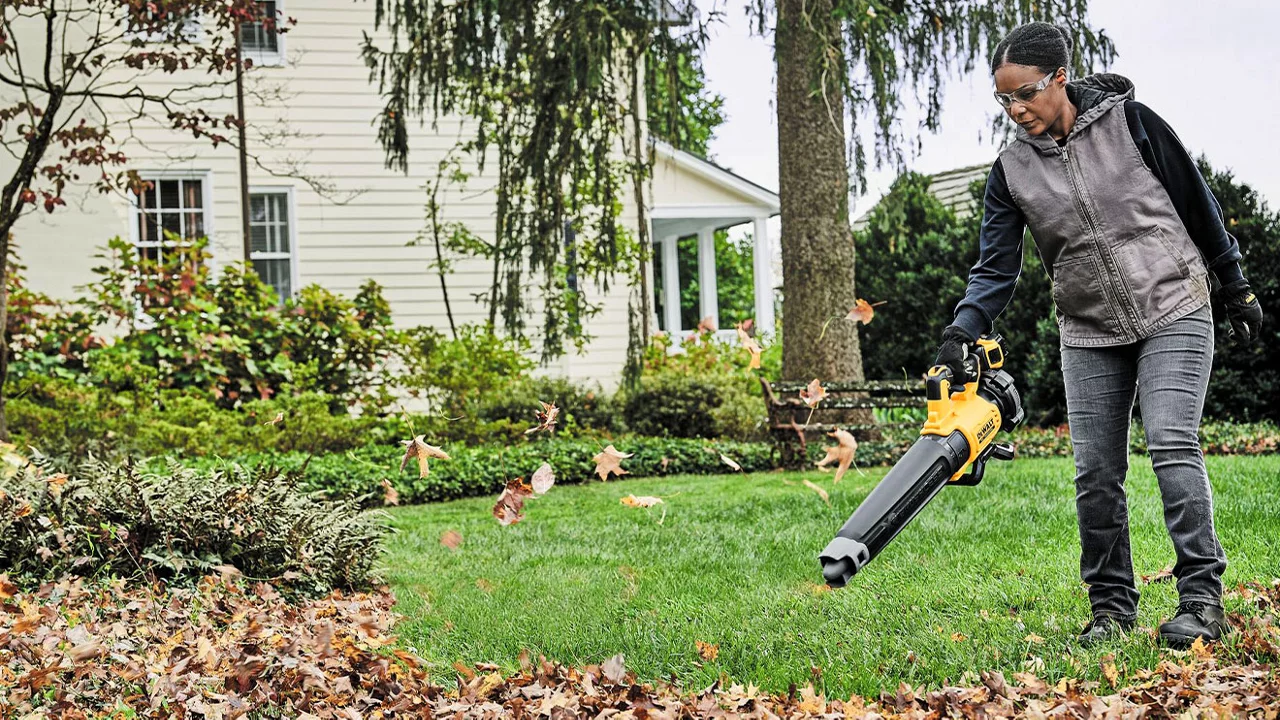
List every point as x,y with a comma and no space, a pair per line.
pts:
1121,261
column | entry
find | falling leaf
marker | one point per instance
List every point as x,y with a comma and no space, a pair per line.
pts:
707,325
644,501
609,461
547,418
279,418
418,448
821,493
390,496
451,539
749,343
729,461
863,311
542,480
615,669
842,453
508,509
664,462
1163,576
813,394
708,651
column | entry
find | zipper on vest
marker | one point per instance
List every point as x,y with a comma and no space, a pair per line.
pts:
1093,228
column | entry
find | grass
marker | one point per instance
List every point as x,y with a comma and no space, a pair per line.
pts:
985,578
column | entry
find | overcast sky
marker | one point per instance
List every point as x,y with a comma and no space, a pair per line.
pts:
1210,69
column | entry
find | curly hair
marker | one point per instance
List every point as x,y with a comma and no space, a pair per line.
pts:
1039,44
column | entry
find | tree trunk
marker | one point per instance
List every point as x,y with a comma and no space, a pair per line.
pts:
813,179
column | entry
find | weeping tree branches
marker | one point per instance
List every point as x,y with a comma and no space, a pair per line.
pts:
550,86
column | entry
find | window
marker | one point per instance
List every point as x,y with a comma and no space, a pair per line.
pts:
271,238
259,41
171,213
155,25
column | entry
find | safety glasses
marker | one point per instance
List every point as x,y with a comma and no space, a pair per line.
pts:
1026,93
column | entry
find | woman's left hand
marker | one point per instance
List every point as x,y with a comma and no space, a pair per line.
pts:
1243,310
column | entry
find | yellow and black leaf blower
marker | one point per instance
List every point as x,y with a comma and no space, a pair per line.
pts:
958,434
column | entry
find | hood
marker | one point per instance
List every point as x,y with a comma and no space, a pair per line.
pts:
1093,97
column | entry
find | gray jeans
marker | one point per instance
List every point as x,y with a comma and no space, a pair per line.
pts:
1168,372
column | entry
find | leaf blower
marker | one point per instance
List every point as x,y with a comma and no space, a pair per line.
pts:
957,435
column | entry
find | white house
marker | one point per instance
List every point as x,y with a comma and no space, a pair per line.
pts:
311,89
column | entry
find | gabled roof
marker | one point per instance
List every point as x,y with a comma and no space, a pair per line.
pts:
950,187
711,172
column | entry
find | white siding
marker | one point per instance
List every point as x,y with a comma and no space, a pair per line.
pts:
332,106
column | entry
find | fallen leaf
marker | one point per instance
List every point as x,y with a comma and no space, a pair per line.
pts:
547,418
1163,576
451,539
813,394
863,311
508,509
279,418
842,453
1110,672
1034,639
729,461
390,496
609,461
7,589
1200,650
418,448
821,493
484,586
958,637
615,669
707,651
643,501
811,702
542,480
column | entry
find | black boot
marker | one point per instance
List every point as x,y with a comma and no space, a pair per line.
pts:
1105,627
1193,620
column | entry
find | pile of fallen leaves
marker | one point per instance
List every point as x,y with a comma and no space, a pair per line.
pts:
73,649
221,651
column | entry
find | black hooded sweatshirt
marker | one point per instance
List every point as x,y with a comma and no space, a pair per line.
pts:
1003,222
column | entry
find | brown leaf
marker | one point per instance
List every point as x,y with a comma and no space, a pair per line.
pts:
508,509
1033,639
418,448
484,585
547,418
7,589
749,343
87,651
813,394
863,311
707,651
643,501
279,418
542,480
842,453
390,496
609,461
1163,576
615,669
707,325
821,493
664,462
1110,672
729,461
958,637
451,539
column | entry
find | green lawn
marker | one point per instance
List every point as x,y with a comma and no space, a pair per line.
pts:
734,562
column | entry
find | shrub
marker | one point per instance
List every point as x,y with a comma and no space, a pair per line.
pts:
459,375
179,523
583,409
671,405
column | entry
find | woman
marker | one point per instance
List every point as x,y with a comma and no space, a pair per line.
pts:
1130,235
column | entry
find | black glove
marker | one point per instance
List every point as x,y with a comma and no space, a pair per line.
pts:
955,349
1243,310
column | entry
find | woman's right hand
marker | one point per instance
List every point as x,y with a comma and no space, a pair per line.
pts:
956,347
